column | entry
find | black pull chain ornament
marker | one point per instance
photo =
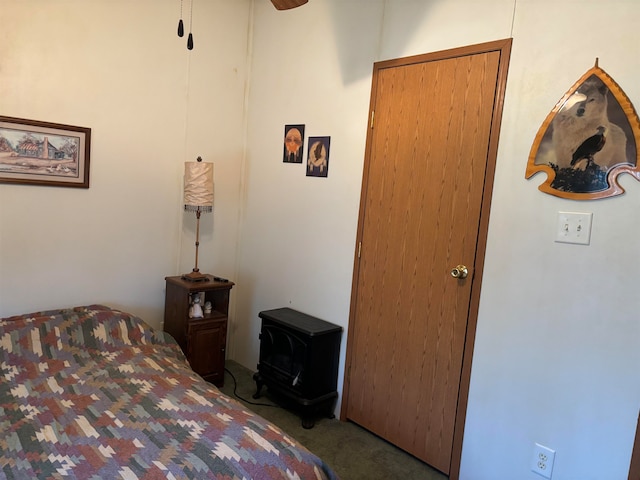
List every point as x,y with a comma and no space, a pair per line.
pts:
190,38
180,24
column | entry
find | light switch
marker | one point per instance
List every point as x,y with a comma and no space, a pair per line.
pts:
574,227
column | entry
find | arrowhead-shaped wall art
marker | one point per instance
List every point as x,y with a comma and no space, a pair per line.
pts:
590,137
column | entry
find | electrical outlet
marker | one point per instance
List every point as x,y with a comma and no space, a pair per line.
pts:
542,461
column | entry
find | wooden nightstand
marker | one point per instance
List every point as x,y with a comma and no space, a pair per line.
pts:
203,340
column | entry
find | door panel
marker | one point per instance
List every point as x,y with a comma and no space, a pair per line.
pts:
423,189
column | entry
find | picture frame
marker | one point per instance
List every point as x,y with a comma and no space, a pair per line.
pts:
590,137
293,151
34,152
318,157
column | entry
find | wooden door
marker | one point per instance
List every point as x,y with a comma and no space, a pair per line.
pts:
424,210
634,467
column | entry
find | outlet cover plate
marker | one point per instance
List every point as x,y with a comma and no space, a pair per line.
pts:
542,461
574,227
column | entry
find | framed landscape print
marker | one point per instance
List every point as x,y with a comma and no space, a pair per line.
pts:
42,153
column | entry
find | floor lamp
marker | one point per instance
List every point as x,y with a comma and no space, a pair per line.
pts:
198,198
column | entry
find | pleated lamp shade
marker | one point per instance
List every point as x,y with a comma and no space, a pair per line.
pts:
198,186
198,198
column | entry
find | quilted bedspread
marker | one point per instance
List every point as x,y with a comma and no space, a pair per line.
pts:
95,393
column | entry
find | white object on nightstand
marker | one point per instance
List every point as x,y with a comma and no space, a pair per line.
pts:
195,311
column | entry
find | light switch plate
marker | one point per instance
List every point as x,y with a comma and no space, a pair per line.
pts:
574,227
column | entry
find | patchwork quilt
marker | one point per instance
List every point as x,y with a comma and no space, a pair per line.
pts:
95,393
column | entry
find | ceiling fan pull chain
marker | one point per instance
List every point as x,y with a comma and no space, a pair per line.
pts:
190,39
180,24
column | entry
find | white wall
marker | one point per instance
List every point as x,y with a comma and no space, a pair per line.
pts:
119,68
557,332
556,352
298,232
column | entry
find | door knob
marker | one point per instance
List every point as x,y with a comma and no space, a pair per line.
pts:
460,271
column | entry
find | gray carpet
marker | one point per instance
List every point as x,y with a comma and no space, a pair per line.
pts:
352,452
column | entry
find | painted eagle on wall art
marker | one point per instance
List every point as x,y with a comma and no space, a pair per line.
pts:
590,137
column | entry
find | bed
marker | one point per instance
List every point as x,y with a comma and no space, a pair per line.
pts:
95,393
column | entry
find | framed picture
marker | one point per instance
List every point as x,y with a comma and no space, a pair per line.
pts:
43,153
590,137
318,157
293,144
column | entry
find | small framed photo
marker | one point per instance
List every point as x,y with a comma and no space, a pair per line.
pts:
42,153
318,157
293,144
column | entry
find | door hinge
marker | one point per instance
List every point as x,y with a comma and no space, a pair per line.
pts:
359,248
373,112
